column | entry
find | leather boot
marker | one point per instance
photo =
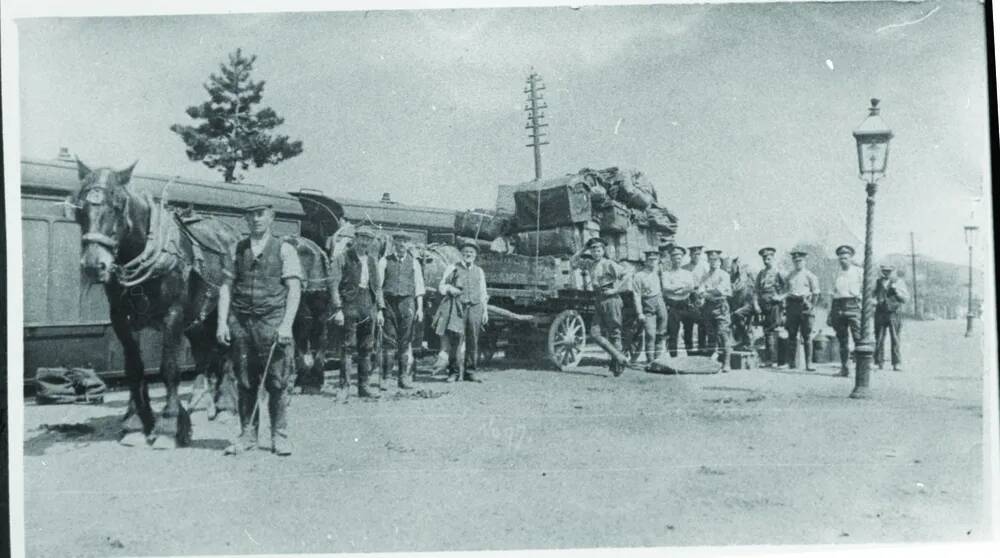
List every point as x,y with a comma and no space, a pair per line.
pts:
247,439
364,371
844,370
277,406
385,370
793,354
726,359
403,376
808,350
771,340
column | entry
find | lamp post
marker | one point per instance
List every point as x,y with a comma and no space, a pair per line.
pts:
872,138
970,240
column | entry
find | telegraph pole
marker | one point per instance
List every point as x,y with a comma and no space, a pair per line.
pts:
913,262
533,107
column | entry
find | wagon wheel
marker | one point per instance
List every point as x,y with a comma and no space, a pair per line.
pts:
567,337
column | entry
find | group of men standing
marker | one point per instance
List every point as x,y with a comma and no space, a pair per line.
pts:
673,299
374,293
383,290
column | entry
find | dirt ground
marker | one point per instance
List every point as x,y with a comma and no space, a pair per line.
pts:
541,459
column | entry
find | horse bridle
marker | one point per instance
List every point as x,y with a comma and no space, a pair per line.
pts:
97,195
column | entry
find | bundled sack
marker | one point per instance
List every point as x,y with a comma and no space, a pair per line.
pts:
559,241
434,259
633,189
660,219
482,224
68,385
553,207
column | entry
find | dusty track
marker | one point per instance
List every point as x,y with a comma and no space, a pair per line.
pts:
541,459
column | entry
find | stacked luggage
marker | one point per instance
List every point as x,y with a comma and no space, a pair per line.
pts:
557,217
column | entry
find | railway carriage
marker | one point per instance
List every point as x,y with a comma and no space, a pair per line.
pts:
66,320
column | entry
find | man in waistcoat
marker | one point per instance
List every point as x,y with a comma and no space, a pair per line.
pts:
769,292
698,269
890,296
845,310
717,288
257,304
356,303
403,306
463,315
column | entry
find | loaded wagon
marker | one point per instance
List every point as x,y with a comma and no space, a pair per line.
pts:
541,306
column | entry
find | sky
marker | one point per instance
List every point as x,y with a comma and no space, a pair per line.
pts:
741,115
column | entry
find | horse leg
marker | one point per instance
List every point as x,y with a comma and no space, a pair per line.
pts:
137,423
173,427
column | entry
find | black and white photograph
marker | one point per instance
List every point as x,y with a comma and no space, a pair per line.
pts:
321,279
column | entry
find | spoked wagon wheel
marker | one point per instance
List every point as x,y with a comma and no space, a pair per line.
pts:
567,337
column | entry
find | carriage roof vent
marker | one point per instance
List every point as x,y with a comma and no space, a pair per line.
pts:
386,198
64,154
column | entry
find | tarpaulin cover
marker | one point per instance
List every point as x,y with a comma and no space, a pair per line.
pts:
685,365
482,224
559,206
559,241
614,217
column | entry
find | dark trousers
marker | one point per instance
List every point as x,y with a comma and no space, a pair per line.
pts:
608,324
252,340
771,311
655,326
397,333
675,313
359,335
799,323
695,317
742,324
891,323
717,316
472,325
845,317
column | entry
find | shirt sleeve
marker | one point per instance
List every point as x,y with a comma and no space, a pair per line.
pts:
444,278
485,297
291,266
336,273
418,279
379,283
229,265
814,284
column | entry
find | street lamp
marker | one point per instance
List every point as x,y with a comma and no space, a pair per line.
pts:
872,137
970,240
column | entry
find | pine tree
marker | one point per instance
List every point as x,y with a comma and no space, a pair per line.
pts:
232,135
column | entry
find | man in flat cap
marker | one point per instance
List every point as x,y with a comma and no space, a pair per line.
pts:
845,309
607,277
357,303
699,269
403,306
769,293
258,300
717,288
890,296
800,301
463,315
678,290
650,309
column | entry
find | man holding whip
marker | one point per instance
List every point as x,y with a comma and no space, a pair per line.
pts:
258,300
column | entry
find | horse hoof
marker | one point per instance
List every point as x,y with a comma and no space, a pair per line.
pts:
164,443
133,439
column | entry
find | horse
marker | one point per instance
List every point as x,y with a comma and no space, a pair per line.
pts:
741,303
156,273
311,329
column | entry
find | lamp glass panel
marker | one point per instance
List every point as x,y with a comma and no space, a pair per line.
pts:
872,156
